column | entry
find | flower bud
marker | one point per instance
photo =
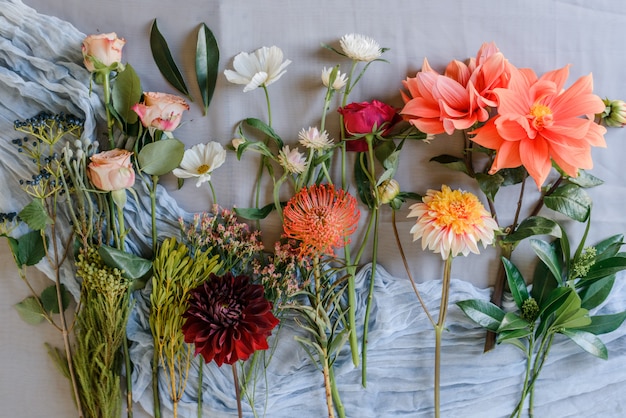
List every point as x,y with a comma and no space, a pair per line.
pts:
236,142
388,190
615,113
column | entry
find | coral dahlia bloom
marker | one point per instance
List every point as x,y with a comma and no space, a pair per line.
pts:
228,319
539,122
321,218
452,222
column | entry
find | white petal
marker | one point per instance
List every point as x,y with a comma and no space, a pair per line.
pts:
258,80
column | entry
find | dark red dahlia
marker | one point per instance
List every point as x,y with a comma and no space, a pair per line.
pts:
228,319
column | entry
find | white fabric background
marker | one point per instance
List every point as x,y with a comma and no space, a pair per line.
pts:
543,35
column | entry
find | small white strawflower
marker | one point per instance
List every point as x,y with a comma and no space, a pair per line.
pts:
340,79
200,161
360,47
292,160
260,68
312,138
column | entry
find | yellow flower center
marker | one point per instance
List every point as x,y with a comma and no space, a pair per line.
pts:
457,210
541,116
203,169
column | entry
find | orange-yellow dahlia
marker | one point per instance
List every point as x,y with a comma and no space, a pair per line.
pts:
321,218
452,222
539,121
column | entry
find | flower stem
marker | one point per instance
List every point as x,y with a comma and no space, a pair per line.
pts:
341,411
107,101
443,310
370,298
155,383
237,390
155,180
200,379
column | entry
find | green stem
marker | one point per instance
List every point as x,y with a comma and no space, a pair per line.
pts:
213,193
129,380
155,180
107,102
341,410
443,310
155,383
370,298
200,378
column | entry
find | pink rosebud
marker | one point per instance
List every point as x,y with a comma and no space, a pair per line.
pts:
102,51
161,111
111,170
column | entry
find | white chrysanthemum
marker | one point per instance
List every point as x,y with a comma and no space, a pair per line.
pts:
312,138
292,160
340,79
260,68
200,161
360,47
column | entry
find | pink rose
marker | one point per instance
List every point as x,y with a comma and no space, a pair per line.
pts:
161,111
111,170
102,51
365,118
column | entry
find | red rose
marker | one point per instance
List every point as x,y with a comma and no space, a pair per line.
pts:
365,118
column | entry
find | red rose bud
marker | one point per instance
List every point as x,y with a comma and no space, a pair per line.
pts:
367,117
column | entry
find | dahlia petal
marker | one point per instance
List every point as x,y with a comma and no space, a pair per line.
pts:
558,77
535,156
507,156
487,135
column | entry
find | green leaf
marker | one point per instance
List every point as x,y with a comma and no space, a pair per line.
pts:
534,225
452,162
59,359
587,341
570,200
512,176
555,300
263,127
544,283
161,157
596,292
207,61
133,266
165,62
576,320
512,322
30,248
30,311
50,301
514,334
363,185
602,324
516,282
35,215
484,313
609,247
548,255
606,267
489,184
126,93
254,213
585,180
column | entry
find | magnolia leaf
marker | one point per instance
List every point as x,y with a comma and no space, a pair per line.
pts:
161,157
207,61
602,324
518,287
30,248
165,62
585,180
50,301
534,225
264,128
596,292
132,266
484,313
489,184
587,341
452,162
35,215
254,214
126,92
30,311
548,255
571,200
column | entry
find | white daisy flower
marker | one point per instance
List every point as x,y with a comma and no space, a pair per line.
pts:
360,47
200,161
292,160
260,68
340,79
314,139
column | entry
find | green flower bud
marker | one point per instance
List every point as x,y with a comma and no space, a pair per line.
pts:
615,113
530,310
388,190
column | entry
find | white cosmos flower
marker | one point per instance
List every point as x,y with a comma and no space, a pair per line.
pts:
260,68
292,160
200,161
360,47
340,79
314,139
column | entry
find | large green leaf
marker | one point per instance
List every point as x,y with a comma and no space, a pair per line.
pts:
30,248
518,287
165,62
606,267
207,61
544,283
126,93
133,266
609,247
254,213
602,324
161,157
264,128
50,301
484,313
534,225
596,292
35,215
514,334
548,255
452,162
585,180
512,322
587,341
570,200
30,311
489,184
363,185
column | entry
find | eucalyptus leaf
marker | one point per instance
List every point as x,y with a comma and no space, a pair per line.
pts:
50,301
207,61
534,225
571,200
30,311
548,256
35,215
125,93
518,287
587,341
452,162
603,324
161,157
484,313
489,184
164,61
254,213
132,266
30,248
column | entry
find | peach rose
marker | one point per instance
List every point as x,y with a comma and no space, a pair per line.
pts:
111,170
161,110
102,51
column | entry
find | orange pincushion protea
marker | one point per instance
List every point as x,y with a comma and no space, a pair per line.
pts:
321,218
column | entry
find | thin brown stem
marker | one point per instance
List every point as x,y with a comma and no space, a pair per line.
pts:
237,390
